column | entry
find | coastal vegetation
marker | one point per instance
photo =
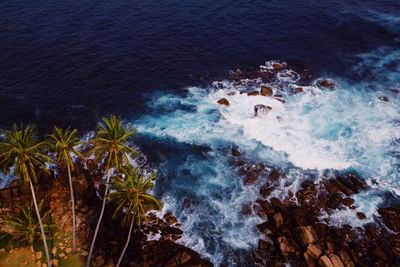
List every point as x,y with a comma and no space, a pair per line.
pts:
30,159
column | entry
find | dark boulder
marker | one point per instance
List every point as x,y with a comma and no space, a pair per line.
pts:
327,83
223,101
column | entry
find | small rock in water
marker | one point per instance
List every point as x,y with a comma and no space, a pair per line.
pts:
266,91
261,109
348,201
279,118
327,83
223,101
361,216
278,66
384,98
298,90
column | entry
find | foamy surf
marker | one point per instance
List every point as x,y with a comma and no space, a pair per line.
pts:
315,131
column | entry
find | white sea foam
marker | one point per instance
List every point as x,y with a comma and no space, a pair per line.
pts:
365,202
317,131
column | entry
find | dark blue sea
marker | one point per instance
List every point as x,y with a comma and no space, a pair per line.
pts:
162,65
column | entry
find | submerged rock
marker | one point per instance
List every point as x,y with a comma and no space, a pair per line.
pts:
261,110
384,98
327,83
253,93
235,152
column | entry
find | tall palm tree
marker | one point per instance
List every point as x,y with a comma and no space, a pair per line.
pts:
111,149
133,199
26,226
64,143
20,149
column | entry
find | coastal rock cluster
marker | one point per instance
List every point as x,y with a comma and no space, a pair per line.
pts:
296,231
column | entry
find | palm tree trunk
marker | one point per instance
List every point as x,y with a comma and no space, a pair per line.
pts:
46,249
100,218
73,211
127,242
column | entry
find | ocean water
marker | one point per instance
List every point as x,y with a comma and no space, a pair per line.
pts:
163,65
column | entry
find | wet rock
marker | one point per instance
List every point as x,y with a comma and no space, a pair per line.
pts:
262,245
280,100
324,261
170,218
285,247
310,261
263,228
274,175
348,183
235,152
298,90
171,230
345,257
391,218
335,260
308,235
307,183
330,248
327,83
278,219
343,188
266,91
361,185
266,206
330,186
223,101
253,93
378,252
348,201
276,203
265,190
384,98
278,66
361,216
314,251
334,201
261,110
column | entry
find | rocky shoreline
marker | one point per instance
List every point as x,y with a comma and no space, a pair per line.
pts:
296,228
294,232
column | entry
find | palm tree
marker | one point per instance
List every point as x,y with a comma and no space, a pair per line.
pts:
111,149
20,150
133,199
26,226
63,143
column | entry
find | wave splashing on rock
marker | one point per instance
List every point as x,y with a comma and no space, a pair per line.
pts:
308,128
